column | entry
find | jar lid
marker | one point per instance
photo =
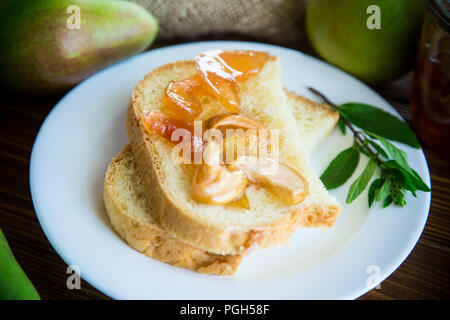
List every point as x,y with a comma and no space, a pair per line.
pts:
441,10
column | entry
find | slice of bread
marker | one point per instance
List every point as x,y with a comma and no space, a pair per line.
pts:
225,229
132,218
314,121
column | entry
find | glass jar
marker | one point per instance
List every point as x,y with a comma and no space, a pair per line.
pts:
430,99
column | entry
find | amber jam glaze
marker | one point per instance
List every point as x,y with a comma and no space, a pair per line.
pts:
430,99
218,74
160,123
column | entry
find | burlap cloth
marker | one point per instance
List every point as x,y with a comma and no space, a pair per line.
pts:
279,20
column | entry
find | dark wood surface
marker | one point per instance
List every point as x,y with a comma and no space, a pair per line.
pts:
425,273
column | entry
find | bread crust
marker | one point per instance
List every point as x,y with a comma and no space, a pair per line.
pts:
328,111
154,242
176,218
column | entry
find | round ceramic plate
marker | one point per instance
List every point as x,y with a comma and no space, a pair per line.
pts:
87,128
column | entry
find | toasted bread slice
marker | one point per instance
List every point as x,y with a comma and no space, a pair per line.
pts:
225,229
132,218
314,121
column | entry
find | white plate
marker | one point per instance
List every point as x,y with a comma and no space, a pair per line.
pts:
87,128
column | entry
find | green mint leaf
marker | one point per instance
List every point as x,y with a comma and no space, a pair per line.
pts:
401,176
387,201
408,177
376,184
401,159
379,122
417,180
398,197
341,168
364,151
377,147
362,181
342,126
397,154
383,191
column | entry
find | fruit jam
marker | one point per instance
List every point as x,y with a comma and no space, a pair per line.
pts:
430,99
218,74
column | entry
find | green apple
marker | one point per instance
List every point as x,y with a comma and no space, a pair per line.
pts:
375,40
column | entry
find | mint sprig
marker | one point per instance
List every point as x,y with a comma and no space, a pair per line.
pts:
345,163
377,127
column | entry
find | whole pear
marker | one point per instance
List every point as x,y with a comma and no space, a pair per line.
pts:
347,34
47,46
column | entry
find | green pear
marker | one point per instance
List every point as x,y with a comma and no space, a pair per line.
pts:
14,283
374,43
47,46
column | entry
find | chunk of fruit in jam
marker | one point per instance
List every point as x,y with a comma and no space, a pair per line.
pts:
222,69
243,64
181,98
218,72
160,123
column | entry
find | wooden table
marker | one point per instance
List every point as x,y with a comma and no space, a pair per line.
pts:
424,275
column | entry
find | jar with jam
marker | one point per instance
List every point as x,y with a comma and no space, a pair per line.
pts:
430,99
